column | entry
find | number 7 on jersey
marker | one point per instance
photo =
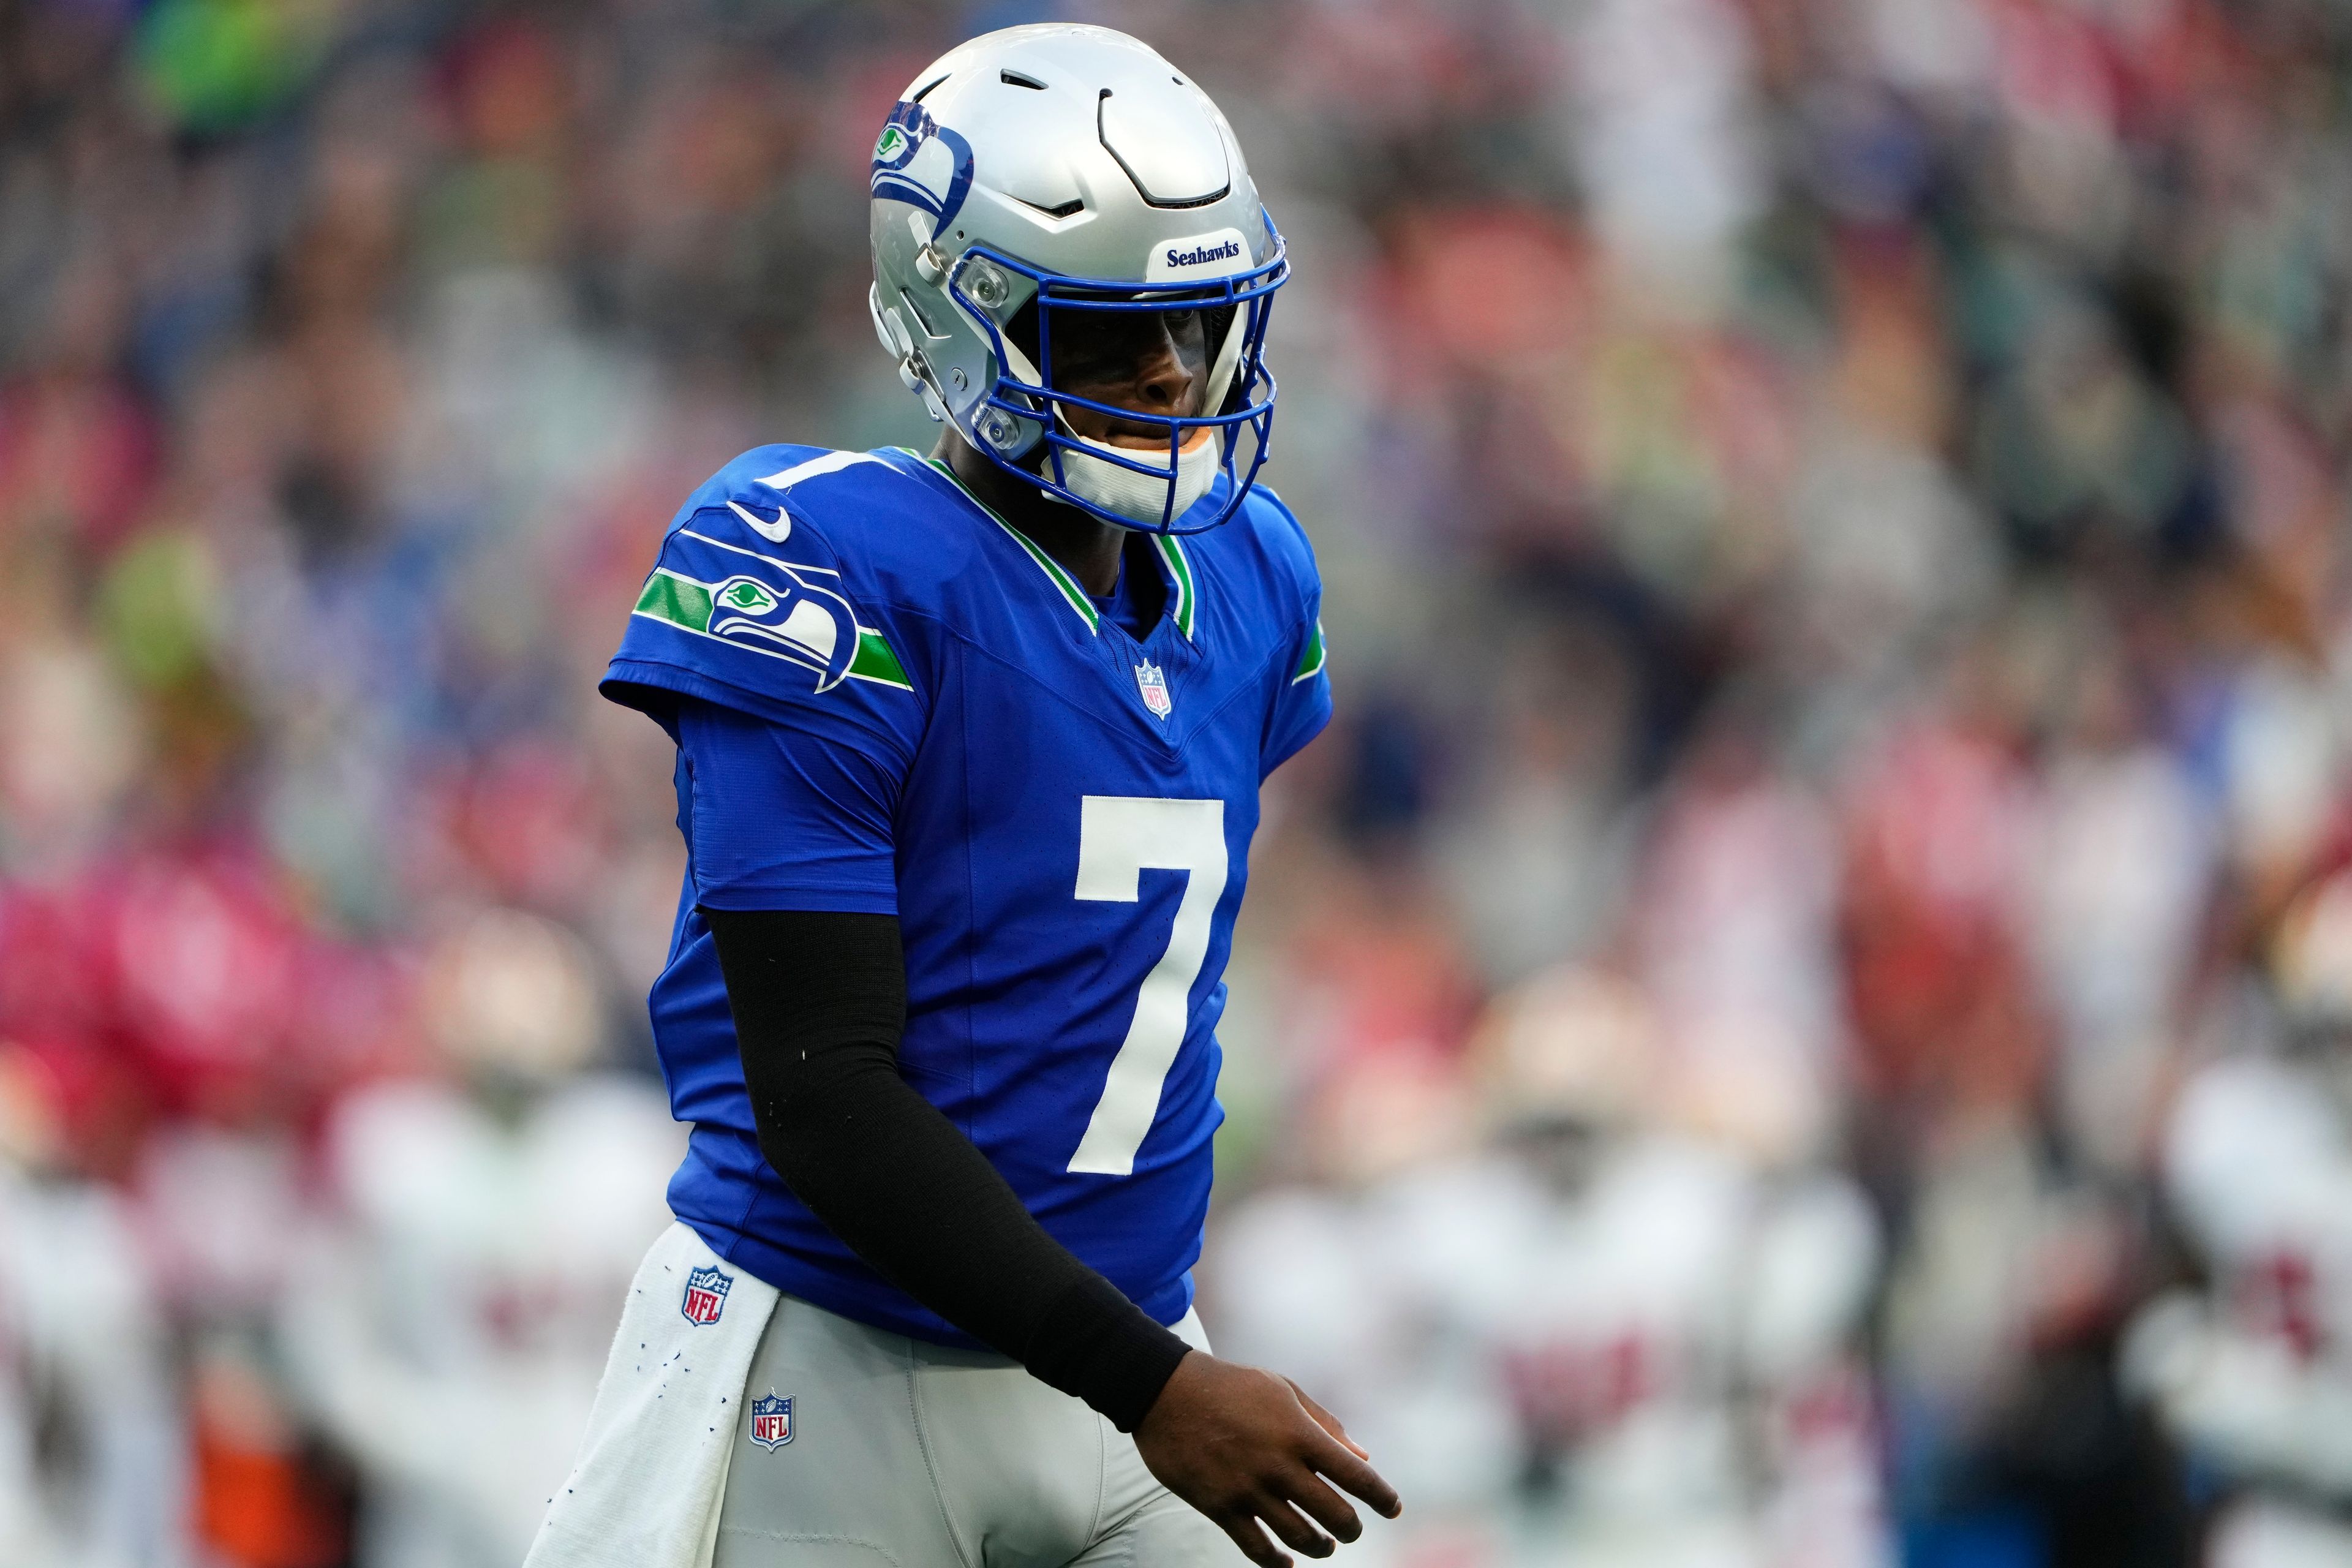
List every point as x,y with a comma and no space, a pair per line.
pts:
1120,837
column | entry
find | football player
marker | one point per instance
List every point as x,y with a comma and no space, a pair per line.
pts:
2253,1374
1634,1311
969,750
449,1313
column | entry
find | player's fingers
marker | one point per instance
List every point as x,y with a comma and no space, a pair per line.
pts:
1252,1541
1353,1473
1325,1419
1287,1523
1324,1506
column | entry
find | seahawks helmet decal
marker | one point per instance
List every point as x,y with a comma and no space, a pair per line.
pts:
922,162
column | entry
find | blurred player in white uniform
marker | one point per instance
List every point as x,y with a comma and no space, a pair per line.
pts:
92,1472
450,1331
1633,1313
2253,1373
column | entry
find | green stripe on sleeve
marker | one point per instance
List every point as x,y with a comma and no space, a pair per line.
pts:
1311,662
876,660
678,600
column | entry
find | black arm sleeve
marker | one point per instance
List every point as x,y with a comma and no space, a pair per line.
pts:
819,1003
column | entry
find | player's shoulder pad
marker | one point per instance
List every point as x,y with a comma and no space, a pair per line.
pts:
798,554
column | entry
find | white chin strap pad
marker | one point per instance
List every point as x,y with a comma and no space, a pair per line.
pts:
1141,496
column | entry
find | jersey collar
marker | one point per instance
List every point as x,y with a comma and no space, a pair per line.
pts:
1183,584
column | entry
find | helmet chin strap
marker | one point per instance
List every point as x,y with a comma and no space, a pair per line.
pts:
1143,498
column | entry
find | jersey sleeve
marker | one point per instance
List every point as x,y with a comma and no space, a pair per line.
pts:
1302,695
1303,706
797,700
787,815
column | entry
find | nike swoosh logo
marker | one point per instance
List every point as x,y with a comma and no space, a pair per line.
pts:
776,532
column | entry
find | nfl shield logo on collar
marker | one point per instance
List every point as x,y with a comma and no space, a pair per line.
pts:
706,1296
1154,687
772,1422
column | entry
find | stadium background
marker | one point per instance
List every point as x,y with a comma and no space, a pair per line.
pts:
1833,514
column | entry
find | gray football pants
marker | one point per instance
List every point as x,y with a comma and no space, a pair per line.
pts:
918,1456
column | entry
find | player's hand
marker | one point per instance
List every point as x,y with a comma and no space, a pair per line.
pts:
1247,1449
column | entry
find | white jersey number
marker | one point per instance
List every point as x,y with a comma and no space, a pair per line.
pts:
1121,837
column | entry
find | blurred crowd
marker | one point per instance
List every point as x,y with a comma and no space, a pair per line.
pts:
1800,1016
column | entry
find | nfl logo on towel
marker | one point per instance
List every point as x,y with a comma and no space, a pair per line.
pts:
772,1422
706,1296
1154,687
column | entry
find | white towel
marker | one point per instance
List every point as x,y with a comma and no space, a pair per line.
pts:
645,1488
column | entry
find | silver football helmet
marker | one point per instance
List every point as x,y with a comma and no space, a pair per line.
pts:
1046,170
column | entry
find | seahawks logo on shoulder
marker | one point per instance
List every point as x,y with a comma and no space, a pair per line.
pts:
780,612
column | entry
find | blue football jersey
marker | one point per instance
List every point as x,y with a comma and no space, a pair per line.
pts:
898,704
